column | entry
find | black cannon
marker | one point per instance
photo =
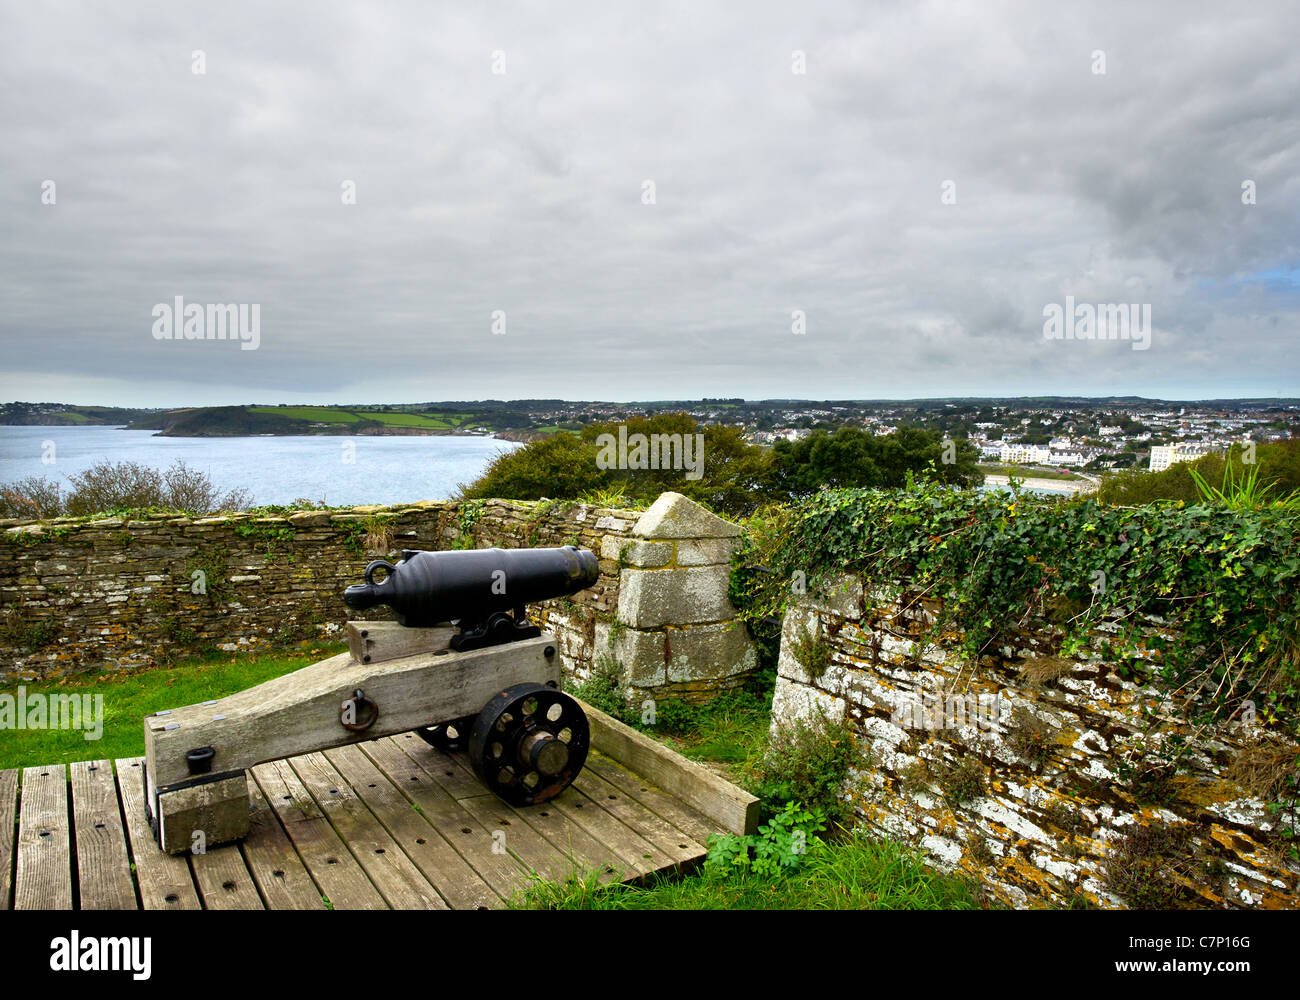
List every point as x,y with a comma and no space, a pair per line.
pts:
530,740
482,591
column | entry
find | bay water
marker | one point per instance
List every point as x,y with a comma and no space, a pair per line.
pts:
341,470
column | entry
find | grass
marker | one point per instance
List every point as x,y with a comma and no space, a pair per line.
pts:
406,420
316,414
1026,472
333,415
858,874
128,698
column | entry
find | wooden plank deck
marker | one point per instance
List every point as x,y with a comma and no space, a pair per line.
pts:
391,823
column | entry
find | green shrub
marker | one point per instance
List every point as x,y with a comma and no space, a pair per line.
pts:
780,845
1278,465
807,761
962,781
603,689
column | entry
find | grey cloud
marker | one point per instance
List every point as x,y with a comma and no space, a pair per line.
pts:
522,192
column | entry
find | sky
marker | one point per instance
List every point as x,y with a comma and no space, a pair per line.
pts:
428,201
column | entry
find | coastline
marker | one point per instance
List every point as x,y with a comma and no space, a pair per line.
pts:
1046,485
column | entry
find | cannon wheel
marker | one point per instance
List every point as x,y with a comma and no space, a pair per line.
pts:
449,737
529,742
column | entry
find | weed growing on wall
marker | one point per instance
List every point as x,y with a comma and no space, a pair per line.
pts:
807,761
603,689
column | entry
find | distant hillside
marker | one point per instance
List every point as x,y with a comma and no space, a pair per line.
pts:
245,421
67,415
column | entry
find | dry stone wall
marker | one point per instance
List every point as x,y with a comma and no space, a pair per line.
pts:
1044,778
109,594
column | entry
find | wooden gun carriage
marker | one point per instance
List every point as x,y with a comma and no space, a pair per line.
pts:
462,666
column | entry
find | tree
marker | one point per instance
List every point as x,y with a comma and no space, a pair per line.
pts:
733,474
853,458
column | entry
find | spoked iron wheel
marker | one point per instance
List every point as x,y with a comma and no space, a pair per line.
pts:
529,742
449,737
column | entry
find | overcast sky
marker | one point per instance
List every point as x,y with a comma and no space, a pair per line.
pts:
524,192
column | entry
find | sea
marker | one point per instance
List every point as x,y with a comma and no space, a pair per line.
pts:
275,470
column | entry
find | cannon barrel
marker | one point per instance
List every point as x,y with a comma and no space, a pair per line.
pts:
428,588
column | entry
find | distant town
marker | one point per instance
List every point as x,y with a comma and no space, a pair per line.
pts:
1063,437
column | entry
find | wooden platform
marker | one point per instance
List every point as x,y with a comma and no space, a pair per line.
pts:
391,823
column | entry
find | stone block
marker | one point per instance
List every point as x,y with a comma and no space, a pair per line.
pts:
705,551
840,596
645,555
639,654
648,598
675,516
709,652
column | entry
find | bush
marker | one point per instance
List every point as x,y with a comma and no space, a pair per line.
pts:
1279,465
113,486
32,498
603,690
1226,582
807,762
852,457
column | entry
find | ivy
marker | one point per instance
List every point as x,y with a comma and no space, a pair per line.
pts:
1200,598
272,535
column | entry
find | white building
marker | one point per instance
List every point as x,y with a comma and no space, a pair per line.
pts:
1163,456
1037,454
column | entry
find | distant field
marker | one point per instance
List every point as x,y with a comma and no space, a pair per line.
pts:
330,415
438,423
319,414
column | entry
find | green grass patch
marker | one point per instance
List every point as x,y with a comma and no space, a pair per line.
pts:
316,414
390,419
731,730
128,698
1026,472
858,874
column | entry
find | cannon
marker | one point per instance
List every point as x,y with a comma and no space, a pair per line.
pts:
483,591
462,667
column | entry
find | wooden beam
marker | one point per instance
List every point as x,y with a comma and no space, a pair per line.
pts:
8,824
342,882
44,879
732,808
103,869
374,642
299,713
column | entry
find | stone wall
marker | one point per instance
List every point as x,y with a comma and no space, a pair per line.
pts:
108,594
78,594
1033,774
